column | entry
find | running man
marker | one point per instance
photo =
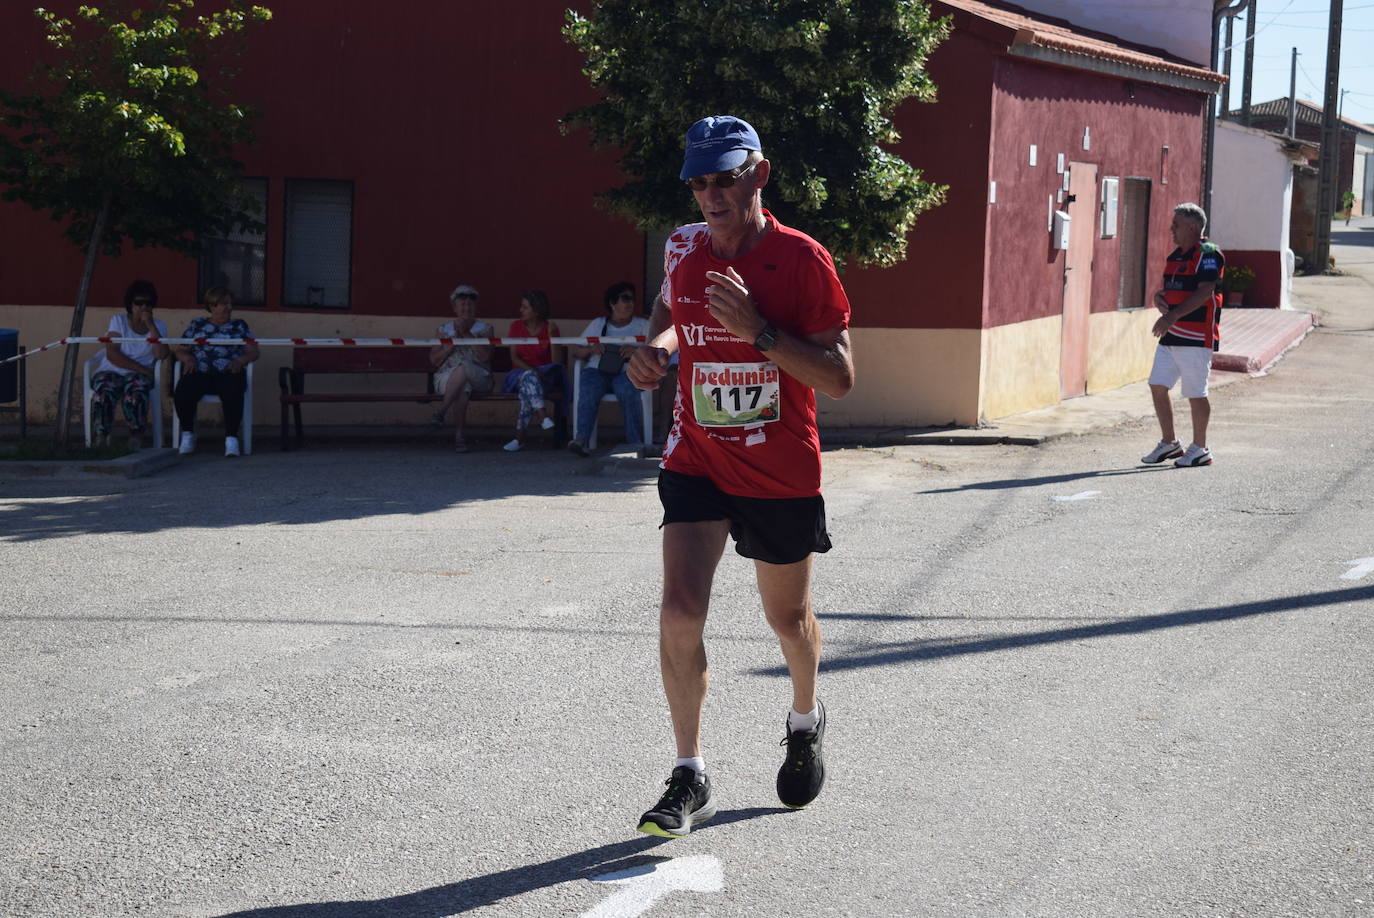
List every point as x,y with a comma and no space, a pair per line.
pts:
759,321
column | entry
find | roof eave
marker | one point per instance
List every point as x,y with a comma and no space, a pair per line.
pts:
1197,80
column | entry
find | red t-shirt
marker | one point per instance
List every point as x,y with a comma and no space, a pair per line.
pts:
536,355
774,451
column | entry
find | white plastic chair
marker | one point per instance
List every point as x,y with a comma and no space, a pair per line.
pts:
154,401
245,429
646,400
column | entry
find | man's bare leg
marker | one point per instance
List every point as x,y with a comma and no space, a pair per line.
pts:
1202,413
786,593
1164,410
691,552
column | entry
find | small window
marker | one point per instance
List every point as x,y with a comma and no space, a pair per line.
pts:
238,261
1133,214
318,269
1110,186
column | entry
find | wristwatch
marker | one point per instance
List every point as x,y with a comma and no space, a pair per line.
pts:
767,338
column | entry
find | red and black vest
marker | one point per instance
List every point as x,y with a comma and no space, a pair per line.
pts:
1183,271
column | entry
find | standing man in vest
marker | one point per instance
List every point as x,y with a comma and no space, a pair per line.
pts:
1190,304
759,320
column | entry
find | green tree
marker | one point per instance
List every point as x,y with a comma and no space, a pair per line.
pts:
818,79
121,136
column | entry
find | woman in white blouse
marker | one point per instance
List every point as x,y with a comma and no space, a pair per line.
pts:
125,374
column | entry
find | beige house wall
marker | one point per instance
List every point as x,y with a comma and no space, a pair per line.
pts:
1020,367
1121,348
909,377
906,377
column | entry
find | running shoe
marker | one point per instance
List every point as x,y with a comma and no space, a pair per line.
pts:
803,771
1196,455
578,448
188,443
1163,451
512,447
231,446
685,804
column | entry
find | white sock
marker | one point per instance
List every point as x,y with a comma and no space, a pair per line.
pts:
694,762
799,721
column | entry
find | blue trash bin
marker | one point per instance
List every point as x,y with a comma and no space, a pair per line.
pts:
9,372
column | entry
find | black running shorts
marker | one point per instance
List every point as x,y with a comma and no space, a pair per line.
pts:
776,530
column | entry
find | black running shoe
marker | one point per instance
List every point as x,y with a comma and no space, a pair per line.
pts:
803,772
686,803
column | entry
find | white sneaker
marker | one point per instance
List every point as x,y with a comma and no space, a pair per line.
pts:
231,446
547,423
1163,450
1196,455
512,447
188,443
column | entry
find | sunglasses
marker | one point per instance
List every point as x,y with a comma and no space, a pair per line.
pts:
720,179
140,301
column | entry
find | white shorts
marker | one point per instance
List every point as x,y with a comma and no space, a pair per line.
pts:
1191,364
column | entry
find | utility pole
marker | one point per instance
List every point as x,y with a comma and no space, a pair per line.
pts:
1226,69
1250,15
1331,143
1293,96
1210,112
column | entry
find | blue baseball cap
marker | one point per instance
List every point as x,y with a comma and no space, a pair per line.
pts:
717,144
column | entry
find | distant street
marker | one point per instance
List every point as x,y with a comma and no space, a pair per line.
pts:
392,681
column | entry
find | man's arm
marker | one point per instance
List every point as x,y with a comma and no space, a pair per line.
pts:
648,365
1199,297
822,361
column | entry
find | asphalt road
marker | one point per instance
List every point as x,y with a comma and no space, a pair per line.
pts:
375,681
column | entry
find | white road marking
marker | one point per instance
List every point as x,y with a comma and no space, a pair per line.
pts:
1081,495
645,885
1362,567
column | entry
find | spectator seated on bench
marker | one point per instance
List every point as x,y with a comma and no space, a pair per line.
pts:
600,372
215,370
346,361
537,367
461,369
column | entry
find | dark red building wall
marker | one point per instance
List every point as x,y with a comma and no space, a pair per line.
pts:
446,122
1129,123
940,285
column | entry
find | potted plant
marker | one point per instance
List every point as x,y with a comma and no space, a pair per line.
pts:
1239,279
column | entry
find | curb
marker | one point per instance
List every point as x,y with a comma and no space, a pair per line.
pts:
135,465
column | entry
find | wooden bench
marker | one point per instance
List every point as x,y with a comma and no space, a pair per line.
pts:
412,360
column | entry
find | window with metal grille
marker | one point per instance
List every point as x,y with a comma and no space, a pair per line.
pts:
318,260
238,261
1133,225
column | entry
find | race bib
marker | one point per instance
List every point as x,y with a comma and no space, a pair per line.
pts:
735,394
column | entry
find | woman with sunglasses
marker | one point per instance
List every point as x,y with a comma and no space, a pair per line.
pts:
125,374
605,368
534,366
214,369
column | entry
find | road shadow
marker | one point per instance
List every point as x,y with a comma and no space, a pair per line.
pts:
1005,484
299,488
477,892
922,650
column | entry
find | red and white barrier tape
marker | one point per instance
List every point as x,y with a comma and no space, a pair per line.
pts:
335,342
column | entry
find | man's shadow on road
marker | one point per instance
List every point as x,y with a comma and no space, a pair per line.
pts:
465,895
1004,484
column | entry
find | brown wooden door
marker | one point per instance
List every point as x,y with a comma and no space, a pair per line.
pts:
1078,279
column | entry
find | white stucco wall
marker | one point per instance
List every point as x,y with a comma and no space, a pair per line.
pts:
1252,194
1251,189
1181,27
